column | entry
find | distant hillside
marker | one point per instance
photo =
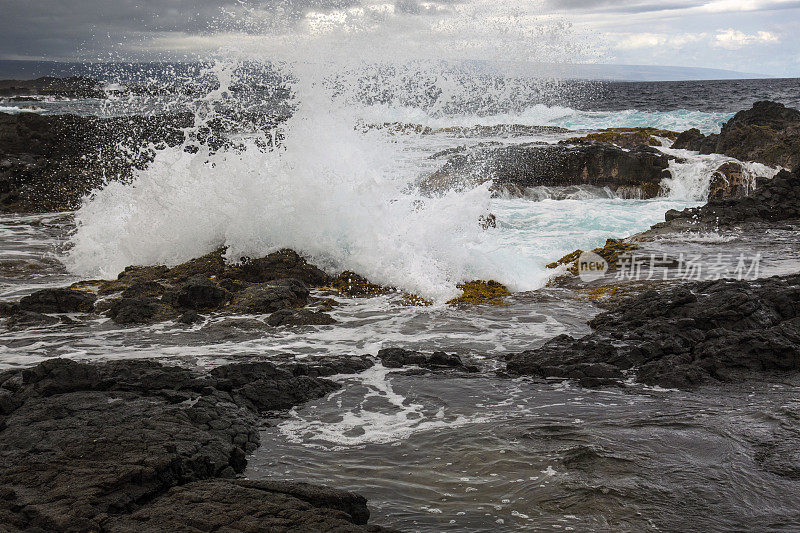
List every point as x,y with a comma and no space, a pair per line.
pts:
611,72
35,69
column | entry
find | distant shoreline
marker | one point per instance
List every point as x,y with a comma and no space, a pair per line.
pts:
30,70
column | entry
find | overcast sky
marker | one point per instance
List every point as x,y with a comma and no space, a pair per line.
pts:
756,36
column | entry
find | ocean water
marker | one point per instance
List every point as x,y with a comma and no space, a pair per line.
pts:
432,452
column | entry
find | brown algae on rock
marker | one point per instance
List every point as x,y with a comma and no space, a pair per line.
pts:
479,292
625,137
611,251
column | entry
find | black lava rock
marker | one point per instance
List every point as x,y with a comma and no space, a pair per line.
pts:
137,446
722,330
399,357
58,301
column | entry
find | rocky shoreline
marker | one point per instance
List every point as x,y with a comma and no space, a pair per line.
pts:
140,446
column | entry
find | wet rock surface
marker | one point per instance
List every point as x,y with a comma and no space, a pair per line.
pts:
773,200
631,173
729,181
768,133
138,446
299,317
250,506
270,297
681,336
143,295
625,137
399,358
58,301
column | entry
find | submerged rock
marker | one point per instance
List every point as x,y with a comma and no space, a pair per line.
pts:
399,357
633,173
30,319
768,133
134,445
681,336
299,317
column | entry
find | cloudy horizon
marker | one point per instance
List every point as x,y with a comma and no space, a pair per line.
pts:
752,36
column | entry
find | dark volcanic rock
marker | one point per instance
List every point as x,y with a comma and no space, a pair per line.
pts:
265,387
251,506
30,319
58,301
270,297
98,447
139,311
729,181
772,200
330,366
624,137
299,317
768,133
636,172
277,265
689,140
399,357
146,294
144,289
684,335
199,293
49,162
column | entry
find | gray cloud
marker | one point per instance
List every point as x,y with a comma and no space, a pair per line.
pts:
64,29
154,29
627,6
620,6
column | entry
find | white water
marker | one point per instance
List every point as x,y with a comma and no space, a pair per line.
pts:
344,195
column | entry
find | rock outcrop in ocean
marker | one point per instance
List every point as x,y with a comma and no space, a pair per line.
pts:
635,173
681,336
768,133
774,199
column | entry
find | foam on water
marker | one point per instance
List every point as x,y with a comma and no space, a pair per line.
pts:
691,173
15,109
382,416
